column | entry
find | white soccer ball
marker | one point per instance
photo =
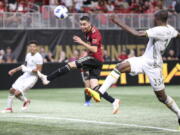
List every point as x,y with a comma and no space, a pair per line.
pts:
61,12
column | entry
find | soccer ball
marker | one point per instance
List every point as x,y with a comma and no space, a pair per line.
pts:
61,12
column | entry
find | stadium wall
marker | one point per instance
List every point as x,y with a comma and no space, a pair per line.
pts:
171,72
55,40
114,41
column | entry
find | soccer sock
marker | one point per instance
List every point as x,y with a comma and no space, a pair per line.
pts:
87,98
10,101
111,79
171,104
107,97
60,71
22,98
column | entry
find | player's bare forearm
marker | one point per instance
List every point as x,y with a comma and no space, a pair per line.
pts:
80,41
18,69
127,28
90,48
14,70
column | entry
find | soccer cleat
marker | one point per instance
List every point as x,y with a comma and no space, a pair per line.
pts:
7,110
43,78
93,94
25,105
116,106
87,103
179,124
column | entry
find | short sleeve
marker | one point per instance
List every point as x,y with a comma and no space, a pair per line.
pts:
39,60
154,32
175,33
96,38
161,32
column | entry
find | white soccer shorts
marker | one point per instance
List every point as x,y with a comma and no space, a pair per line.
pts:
25,82
144,65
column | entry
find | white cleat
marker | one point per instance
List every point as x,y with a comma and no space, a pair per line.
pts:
116,104
43,78
7,110
25,105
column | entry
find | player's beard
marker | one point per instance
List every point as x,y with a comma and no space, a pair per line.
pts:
88,29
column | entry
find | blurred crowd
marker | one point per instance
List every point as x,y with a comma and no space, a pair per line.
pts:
7,55
95,6
87,6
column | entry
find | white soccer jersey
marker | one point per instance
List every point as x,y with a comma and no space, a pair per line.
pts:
159,38
33,60
28,79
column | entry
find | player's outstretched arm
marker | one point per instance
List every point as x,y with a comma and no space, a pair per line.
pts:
127,28
14,70
89,47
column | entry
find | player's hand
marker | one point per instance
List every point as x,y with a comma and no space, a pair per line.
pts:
77,39
11,72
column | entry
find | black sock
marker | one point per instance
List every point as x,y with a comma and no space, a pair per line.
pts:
107,97
60,71
96,88
87,98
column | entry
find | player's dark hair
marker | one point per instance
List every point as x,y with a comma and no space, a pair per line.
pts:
85,18
162,15
33,42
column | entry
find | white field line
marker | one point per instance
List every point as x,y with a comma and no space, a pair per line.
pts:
92,122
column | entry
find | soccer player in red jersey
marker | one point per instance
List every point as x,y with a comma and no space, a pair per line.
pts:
91,63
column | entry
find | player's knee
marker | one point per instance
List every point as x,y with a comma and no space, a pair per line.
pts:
17,93
161,95
12,91
161,99
120,67
72,64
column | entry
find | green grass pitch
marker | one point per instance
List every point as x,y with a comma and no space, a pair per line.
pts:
61,112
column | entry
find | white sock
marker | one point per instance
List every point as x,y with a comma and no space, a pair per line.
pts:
10,101
171,104
111,79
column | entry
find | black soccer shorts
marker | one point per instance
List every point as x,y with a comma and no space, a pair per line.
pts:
90,64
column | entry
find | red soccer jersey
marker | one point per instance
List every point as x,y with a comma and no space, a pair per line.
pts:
95,39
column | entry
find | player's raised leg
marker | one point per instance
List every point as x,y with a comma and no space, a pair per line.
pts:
46,79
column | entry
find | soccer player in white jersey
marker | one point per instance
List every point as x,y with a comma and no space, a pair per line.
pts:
149,63
33,62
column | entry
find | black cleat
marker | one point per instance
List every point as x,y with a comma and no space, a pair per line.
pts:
179,124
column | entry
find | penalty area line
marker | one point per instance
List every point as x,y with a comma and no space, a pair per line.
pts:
93,122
